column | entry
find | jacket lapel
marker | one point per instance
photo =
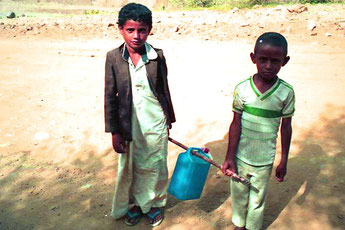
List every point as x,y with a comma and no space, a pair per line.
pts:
123,73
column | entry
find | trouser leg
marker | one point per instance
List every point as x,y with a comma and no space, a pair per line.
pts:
239,197
257,198
122,193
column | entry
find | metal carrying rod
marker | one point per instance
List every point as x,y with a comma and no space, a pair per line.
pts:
233,175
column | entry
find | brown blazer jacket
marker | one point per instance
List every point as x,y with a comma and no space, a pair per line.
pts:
118,91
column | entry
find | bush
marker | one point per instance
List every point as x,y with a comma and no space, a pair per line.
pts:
199,3
192,3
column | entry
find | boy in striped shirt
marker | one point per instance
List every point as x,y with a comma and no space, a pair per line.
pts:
260,104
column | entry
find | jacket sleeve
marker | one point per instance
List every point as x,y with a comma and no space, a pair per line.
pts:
164,72
110,97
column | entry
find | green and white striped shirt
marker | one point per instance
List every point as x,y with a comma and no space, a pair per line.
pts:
261,115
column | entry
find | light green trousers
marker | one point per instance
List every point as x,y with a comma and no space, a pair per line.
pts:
248,204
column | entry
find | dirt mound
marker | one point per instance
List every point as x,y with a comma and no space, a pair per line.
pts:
317,24
107,3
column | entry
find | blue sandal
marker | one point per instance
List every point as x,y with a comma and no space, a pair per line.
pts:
133,216
152,216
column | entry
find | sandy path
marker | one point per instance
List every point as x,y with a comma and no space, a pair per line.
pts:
63,178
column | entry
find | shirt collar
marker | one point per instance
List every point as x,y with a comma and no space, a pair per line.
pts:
151,54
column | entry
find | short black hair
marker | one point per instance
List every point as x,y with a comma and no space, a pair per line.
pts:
136,12
273,39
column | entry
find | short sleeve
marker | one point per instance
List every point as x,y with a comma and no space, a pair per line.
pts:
237,105
289,105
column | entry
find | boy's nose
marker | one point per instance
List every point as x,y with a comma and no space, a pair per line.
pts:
268,65
136,34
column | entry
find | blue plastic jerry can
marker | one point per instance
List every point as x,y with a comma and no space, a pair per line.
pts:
190,173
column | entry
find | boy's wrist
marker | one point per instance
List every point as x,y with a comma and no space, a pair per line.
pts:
283,161
230,157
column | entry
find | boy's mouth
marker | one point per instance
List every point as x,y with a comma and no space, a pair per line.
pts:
268,74
136,42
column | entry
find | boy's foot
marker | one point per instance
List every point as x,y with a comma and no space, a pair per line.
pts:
156,217
133,216
239,228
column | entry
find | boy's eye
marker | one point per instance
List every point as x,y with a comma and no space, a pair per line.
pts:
262,59
143,30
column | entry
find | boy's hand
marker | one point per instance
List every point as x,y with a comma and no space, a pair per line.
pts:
229,168
119,145
281,172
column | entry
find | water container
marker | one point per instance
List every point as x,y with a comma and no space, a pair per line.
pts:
190,173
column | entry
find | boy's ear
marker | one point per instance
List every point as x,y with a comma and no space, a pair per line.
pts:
120,28
286,60
252,56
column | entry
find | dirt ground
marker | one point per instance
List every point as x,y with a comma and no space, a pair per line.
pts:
57,167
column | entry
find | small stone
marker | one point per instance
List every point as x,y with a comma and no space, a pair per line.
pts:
245,24
11,15
340,216
328,34
297,9
311,25
176,29
111,24
234,10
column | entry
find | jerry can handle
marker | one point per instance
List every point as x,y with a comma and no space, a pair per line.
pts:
199,150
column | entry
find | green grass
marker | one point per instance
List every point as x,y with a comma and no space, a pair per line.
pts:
49,9
230,4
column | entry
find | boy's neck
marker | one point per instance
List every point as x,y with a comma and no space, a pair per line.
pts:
262,84
135,55
136,52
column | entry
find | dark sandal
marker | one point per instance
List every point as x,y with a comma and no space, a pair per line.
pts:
133,216
152,216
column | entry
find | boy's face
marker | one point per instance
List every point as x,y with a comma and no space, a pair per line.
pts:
135,34
269,59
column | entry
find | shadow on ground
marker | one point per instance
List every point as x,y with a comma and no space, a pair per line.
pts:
40,194
315,179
